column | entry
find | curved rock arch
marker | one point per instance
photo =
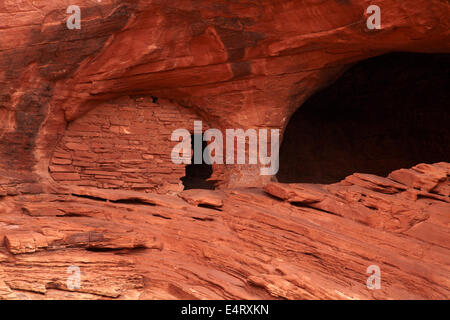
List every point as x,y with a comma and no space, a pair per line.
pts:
241,65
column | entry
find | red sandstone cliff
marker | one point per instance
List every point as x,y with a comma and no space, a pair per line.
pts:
237,64
82,137
296,241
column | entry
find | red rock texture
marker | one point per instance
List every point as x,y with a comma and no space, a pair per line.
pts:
85,179
294,241
241,64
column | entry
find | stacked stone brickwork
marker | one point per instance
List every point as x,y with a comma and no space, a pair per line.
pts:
124,144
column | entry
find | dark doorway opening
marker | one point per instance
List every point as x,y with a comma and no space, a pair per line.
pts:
383,114
197,174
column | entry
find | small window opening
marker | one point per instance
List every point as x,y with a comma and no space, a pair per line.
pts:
198,174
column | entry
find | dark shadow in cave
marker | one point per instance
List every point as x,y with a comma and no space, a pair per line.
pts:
197,174
384,113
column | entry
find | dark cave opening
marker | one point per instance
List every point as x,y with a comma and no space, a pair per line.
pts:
197,174
383,114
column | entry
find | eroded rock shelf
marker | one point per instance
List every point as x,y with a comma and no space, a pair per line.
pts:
293,241
87,183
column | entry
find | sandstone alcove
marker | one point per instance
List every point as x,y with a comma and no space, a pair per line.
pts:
384,113
88,185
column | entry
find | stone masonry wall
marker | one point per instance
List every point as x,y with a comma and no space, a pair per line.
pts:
123,144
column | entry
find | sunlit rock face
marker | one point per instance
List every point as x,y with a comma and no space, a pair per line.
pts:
87,179
240,64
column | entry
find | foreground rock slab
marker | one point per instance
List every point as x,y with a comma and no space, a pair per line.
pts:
297,241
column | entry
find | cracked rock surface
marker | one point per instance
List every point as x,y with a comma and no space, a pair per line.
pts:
291,241
86,178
